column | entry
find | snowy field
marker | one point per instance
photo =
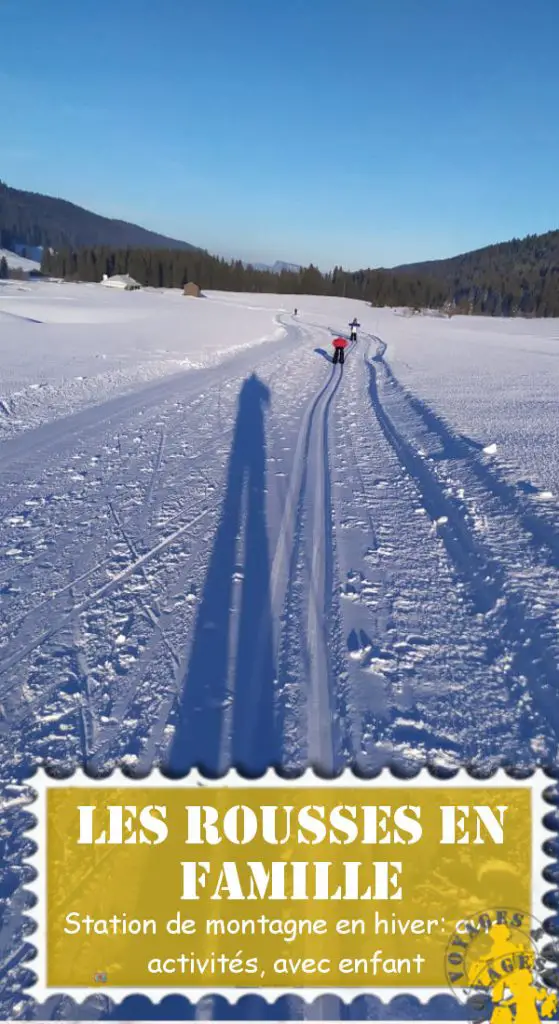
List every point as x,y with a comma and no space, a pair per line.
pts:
66,346
199,510
217,548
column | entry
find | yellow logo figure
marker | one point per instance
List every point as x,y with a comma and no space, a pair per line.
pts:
507,972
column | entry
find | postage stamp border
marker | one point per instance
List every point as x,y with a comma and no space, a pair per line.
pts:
536,784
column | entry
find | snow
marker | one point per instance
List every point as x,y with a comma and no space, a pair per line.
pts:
120,281
494,379
217,548
67,346
412,496
17,262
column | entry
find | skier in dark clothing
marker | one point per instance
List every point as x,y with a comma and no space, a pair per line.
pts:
340,345
353,328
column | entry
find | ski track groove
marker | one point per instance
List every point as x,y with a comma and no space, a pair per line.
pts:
322,745
154,617
308,655
153,479
132,544
13,659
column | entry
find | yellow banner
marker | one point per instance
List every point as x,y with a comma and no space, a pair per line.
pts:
276,887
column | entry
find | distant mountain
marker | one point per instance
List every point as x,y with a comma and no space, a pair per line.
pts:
274,268
29,219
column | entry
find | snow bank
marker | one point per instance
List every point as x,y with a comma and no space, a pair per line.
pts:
63,346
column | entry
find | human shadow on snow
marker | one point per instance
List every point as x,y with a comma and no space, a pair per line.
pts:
226,711
541,526
516,633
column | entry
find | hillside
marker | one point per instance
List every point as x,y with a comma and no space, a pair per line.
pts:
33,219
520,276
518,254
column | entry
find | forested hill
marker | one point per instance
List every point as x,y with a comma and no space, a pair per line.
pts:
534,251
33,219
521,276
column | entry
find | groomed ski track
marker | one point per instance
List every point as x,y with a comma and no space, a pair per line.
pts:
380,592
272,561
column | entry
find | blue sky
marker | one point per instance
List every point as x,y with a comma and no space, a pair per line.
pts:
360,132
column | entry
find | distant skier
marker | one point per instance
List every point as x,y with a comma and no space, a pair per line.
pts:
295,311
353,328
340,345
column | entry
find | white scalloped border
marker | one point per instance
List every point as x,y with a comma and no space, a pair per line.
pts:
41,782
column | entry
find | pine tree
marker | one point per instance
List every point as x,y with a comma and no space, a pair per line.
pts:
3,269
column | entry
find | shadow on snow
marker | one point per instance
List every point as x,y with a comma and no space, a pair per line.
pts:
226,711
324,353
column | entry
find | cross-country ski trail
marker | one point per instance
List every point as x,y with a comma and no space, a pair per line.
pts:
313,570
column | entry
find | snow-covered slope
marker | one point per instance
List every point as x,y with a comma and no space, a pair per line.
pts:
16,262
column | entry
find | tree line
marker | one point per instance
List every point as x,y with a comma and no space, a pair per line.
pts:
173,269
520,277
486,290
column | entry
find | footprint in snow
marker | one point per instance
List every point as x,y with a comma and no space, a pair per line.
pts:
359,645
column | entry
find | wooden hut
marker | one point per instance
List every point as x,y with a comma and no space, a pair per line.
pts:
192,290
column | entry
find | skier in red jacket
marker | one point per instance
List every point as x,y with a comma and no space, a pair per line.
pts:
340,345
